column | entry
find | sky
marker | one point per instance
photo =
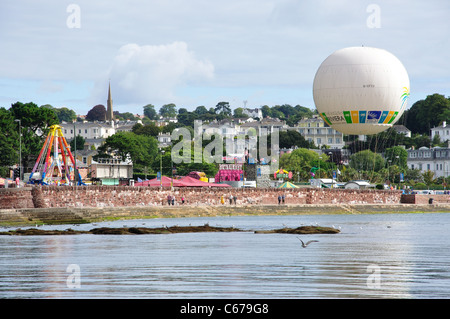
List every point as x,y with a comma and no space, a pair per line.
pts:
199,52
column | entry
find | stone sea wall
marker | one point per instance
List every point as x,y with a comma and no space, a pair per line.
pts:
123,196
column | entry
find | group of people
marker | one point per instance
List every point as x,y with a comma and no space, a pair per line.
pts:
171,200
281,199
231,198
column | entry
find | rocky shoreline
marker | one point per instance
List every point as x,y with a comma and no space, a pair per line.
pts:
165,230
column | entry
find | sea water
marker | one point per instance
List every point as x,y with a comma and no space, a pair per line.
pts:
373,256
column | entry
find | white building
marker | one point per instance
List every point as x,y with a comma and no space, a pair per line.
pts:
94,133
436,160
264,127
111,170
443,131
254,113
315,130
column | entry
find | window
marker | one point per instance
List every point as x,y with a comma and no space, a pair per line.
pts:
338,140
429,167
330,140
319,140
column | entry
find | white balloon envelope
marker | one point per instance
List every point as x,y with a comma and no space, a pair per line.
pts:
361,90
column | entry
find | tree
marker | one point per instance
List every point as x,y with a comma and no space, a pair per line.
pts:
239,113
140,148
266,111
397,155
428,178
426,114
168,110
97,113
79,141
35,123
200,110
124,116
366,161
9,139
301,160
292,138
223,108
149,129
150,112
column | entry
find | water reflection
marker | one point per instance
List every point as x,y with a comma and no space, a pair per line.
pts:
409,249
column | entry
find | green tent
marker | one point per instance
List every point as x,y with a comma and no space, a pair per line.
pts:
287,185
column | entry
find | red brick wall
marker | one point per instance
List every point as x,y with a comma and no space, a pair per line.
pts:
116,196
424,199
16,198
109,196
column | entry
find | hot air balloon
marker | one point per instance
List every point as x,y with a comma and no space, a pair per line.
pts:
361,90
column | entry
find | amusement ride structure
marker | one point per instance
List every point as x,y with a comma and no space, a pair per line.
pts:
57,167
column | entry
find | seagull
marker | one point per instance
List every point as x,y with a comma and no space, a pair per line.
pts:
307,243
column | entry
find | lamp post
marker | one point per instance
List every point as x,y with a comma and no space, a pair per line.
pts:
20,148
160,169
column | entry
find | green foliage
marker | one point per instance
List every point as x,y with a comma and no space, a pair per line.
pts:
140,148
366,161
35,123
223,108
291,138
9,139
426,114
397,156
79,142
149,129
301,160
150,112
428,178
168,110
97,113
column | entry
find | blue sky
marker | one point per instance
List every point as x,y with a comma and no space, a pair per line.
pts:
201,52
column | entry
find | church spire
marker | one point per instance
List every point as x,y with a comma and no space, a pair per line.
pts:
109,108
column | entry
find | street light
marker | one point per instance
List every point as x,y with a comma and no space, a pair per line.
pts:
160,168
20,148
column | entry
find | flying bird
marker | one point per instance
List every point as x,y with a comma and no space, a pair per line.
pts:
307,243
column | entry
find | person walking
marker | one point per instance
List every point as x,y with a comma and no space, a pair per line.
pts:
169,199
279,199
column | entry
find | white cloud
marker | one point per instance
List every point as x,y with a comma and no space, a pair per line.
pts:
152,73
